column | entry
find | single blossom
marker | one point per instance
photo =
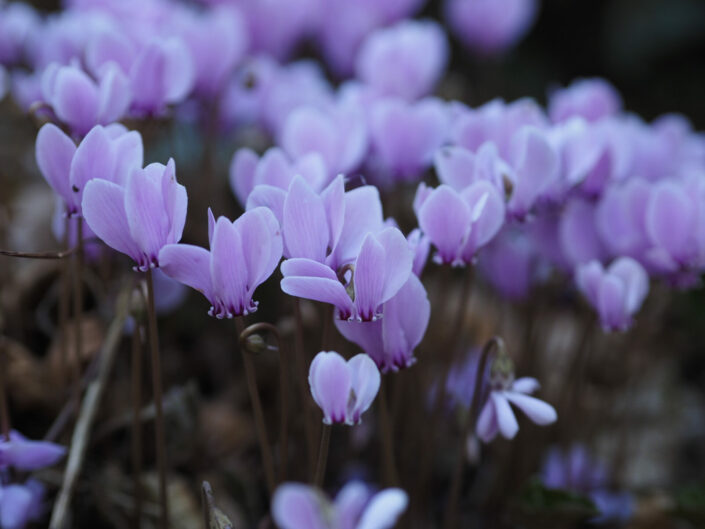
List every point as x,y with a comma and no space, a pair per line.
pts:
243,254
379,271
404,136
109,153
356,506
274,168
390,340
497,415
341,219
20,504
405,60
343,390
81,102
26,455
616,293
139,217
459,224
490,26
592,99
337,132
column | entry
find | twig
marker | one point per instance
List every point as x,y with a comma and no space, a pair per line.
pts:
88,412
40,255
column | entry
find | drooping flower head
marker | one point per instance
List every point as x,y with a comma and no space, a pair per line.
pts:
391,339
356,506
616,293
243,254
343,390
139,217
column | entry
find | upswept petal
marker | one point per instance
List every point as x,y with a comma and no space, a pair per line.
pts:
261,245
228,271
54,152
330,381
369,278
187,264
365,380
487,426
242,173
305,226
113,93
384,509
445,218
129,154
350,502
268,197
103,209
611,304
175,202
297,506
75,99
15,506
94,158
144,206
635,279
310,279
334,202
525,385
588,277
455,166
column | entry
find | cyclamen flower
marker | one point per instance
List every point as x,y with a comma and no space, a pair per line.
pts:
459,224
109,153
299,506
26,455
490,26
243,254
328,227
497,415
21,504
405,60
616,293
592,99
80,102
139,217
381,268
404,136
274,168
337,132
343,390
390,340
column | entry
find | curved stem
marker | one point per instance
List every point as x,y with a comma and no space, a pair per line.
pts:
496,343
322,455
260,426
283,390
302,375
160,438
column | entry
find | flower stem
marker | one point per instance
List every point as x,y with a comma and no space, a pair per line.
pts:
391,477
260,426
4,411
78,307
160,441
322,455
303,386
470,419
136,422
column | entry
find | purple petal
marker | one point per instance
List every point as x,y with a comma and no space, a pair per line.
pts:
350,503
312,167
103,208
588,277
365,380
242,173
144,206
334,202
27,455
54,152
75,99
94,158
635,279
525,385
398,260
538,411
309,279
670,219
187,264
261,244
536,164
445,218
175,202
274,169
228,271
367,335
308,130
455,166
384,509
330,382
296,506
129,155
369,277
579,239
270,197
304,222
487,426
15,506
114,94
611,304
506,421
488,211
